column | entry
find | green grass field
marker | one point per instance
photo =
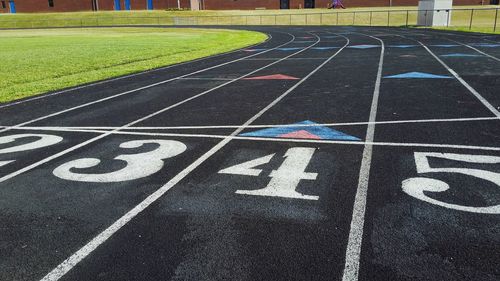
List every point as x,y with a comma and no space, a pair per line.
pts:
37,61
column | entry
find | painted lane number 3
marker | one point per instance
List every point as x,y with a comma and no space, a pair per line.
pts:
417,187
138,165
285,180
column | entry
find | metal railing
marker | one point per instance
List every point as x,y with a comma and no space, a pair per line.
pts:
482,18
486,18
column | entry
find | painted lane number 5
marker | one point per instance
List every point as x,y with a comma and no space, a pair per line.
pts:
138,165
417,186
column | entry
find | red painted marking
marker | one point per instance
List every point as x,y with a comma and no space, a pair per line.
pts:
302,134
272,77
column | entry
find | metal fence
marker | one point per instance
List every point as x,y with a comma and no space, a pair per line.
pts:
485,19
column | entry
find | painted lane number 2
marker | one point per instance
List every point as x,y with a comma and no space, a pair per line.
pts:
417,187
43,141
138,165
285,180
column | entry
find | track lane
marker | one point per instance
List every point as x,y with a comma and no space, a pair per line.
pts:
253,237
103,236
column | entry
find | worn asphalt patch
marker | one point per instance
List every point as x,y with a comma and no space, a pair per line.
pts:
156,177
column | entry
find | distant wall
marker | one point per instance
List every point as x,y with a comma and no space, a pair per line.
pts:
32,6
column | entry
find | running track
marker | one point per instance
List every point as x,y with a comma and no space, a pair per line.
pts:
195,171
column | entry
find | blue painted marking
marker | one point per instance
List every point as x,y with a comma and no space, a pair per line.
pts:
445,45
364,46
118,5
486,45
324,48
150,5
12,7
460,55
288,49
402,46
324,133
418,75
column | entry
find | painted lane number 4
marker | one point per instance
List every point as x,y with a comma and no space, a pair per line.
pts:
416,187
285,180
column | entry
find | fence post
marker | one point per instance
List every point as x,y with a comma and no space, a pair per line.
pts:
388,18
447,18
407,14
353,18
337,18
306,18
471,17
496,17
371,14
320,19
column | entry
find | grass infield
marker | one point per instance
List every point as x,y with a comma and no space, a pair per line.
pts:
39,61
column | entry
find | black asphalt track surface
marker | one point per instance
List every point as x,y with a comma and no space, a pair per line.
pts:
128,179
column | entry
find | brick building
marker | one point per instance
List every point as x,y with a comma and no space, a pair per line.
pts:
31,6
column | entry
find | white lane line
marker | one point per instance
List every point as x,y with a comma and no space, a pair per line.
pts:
463,82
339,142
475,49
56,128
290,59
463,44
353,251
144,87
209,79
82,253
59,154
269,37
488,105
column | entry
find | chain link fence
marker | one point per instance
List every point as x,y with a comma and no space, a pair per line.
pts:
485,18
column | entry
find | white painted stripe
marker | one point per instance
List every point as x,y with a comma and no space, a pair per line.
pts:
57,155
52,128
463,82
315,141
289,59
73,260
42,96
457,42
475,49
144,87
460,79
353,251
202,78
